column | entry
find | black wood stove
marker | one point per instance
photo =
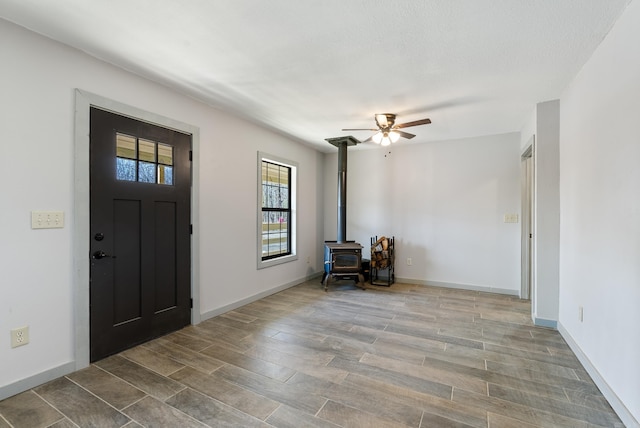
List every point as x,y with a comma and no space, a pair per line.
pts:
342,258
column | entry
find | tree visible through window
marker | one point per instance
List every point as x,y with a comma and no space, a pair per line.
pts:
276,210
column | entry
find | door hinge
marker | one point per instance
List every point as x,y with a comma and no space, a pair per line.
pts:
191,303
190,229
191,155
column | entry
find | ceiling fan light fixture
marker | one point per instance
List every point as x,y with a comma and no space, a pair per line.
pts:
381,120
388,131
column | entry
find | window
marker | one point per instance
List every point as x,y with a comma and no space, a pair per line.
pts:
142,160
276,213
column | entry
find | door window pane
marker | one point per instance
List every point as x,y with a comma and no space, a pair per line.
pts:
142,160
125,146
146,172
165,154
125,169
165,174
147,150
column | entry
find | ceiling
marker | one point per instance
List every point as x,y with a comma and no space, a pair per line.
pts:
308,68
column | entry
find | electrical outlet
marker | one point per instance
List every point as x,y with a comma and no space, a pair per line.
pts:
409,261
19,336
580,313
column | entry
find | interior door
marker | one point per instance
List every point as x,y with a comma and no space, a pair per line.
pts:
140,232
527,223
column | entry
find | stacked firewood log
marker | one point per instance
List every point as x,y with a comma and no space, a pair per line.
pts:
380,253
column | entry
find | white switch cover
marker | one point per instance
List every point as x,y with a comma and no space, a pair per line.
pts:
511,218
47,219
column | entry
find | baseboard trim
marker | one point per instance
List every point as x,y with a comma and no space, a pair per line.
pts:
541,322
36,380
618,406
459,286
221,310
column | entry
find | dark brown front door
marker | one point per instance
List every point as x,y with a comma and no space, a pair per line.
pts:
140,237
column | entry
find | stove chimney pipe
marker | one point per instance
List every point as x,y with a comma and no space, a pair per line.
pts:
342,143
342,193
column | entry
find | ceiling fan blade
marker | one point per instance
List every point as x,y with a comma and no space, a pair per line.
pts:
368,139
414,123
360,129
404,134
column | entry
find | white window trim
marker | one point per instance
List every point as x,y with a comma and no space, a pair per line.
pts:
261,264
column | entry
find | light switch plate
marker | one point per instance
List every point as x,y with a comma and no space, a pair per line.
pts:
47,219
511,218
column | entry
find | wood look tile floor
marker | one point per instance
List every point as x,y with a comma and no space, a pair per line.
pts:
399,356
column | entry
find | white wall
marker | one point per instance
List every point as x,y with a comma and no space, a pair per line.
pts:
600,213
445,204
546,226
37,141
547,213
368,176
528,129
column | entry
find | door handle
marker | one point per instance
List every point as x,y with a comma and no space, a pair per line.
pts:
101,255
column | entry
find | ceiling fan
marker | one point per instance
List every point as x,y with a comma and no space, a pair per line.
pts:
388,131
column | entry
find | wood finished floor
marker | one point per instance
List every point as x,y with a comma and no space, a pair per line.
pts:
399,356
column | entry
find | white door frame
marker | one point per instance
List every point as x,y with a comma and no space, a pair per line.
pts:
83,102
527,180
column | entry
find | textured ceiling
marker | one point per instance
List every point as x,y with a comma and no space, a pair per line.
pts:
308,68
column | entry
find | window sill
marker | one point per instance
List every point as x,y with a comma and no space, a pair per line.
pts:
277,261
